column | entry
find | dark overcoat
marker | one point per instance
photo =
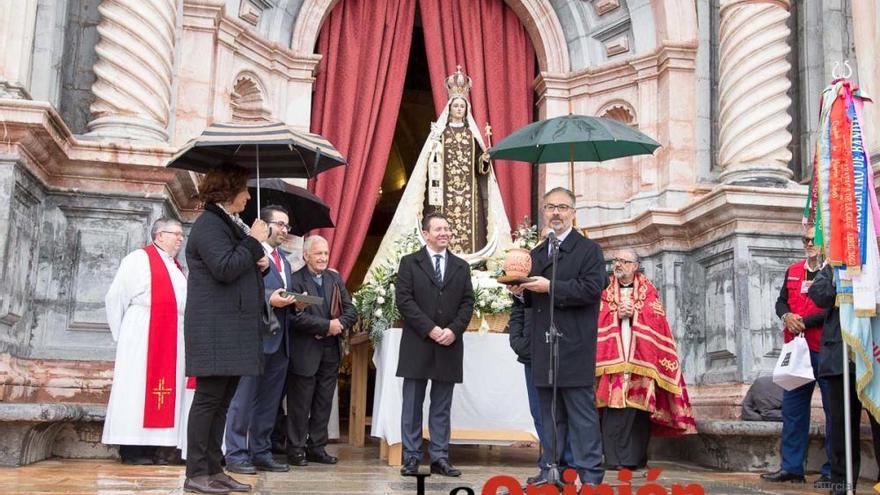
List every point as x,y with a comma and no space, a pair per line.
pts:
222,325
314,320
824,294
580,279
424,303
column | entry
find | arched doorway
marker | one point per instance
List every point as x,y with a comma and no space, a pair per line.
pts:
399,91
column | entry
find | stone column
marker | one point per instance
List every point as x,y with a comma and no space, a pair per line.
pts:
866,30
134,68
753,86
17,24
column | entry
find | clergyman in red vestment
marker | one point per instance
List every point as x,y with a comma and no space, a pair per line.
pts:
640,388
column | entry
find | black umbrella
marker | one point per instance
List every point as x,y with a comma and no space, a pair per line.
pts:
307,211
267,149
272,147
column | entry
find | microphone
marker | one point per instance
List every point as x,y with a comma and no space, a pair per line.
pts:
553,242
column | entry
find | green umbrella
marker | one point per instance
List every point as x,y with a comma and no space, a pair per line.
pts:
575,138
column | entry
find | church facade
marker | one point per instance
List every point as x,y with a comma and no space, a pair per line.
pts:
96,95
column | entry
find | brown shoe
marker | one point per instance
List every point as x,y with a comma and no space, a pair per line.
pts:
204,484
230,482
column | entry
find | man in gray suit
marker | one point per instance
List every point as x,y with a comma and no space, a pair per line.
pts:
436,300
251,416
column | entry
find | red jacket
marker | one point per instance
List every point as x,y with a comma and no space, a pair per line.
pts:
793,298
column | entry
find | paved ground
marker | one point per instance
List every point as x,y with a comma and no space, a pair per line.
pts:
360,472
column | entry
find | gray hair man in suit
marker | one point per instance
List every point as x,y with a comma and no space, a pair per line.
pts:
436,300
315,355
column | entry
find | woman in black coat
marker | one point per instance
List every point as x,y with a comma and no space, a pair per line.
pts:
222,322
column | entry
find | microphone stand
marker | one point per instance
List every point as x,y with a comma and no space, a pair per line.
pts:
553,336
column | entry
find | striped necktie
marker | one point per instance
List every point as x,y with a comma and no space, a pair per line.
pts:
437,273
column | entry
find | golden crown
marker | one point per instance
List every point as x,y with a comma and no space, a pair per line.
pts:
458,84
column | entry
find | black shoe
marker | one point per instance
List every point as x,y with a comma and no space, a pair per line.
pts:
823,482
783,476
138,461
536,480
234,485
445,468
321,457
241,467
204,484
410,467
297,459
272,466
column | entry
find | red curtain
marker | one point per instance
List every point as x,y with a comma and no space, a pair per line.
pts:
490,43
365,47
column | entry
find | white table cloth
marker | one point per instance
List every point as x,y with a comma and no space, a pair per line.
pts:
492,397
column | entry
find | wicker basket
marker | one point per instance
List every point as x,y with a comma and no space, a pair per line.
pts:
497,322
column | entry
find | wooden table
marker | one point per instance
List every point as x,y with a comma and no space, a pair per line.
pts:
360,370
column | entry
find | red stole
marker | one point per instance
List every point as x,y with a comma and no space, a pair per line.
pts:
161,389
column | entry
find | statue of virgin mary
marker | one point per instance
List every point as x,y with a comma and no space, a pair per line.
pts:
453,175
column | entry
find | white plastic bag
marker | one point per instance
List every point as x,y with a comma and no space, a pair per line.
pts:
793,368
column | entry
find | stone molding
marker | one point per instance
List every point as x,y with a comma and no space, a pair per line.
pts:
272,57
611,76
39,139
753,86
17,30
537,16
134,69
719,212
54,380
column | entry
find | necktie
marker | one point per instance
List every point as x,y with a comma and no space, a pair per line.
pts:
277,260
437,274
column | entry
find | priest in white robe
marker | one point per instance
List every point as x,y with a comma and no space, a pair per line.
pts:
145,305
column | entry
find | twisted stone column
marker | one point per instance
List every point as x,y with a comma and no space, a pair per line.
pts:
134,68
753,85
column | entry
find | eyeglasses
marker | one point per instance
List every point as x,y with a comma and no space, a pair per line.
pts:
807,240
622,261
560,208
176,234
281,225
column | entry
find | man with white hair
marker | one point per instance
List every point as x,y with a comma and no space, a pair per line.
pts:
145,306
316,334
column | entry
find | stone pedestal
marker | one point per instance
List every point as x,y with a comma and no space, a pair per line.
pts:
753,86
133,73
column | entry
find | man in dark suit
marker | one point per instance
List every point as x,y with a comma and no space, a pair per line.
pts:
580,279
316,353
252,412
436,300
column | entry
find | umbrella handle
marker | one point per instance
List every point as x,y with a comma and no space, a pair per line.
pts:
258,181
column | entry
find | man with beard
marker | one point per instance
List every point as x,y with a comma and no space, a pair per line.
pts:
641,388
580,278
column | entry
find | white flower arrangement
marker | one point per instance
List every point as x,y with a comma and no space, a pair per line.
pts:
526,235
375,299
377,305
